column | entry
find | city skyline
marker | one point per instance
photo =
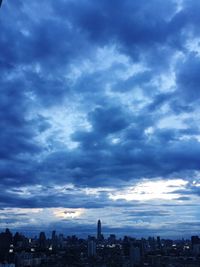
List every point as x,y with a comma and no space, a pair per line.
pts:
99,117
17,250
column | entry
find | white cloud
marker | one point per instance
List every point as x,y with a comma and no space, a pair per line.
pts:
151,190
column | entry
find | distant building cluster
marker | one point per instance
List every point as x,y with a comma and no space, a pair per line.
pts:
96,251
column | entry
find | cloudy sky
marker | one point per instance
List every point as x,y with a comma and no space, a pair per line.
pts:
99,116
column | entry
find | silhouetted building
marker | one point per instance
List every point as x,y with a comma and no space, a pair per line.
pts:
135,253
54,240
21,251
5,242
112,239
91,247
99,230
158,242
126,246
195,240
42,240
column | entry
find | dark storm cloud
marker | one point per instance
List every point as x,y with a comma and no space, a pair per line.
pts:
97,161
133,155
188,78
50,198
17,132
48,58
101,20
39,40
140,29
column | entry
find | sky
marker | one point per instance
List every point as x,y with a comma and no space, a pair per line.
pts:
99,116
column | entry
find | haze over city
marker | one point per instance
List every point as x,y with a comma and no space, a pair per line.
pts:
99,117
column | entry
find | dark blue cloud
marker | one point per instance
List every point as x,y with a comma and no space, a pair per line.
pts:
188,78
137,80
97,94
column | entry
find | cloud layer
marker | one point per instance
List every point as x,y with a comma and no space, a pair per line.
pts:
98,99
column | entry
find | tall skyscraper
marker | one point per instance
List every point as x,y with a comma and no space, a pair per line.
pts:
99,236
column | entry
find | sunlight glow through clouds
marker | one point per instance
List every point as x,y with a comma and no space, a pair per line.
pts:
67,213
149,190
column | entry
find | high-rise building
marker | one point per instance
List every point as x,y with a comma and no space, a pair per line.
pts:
91,247
99,236
54,240
195,240
158,242
135,253
42,240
